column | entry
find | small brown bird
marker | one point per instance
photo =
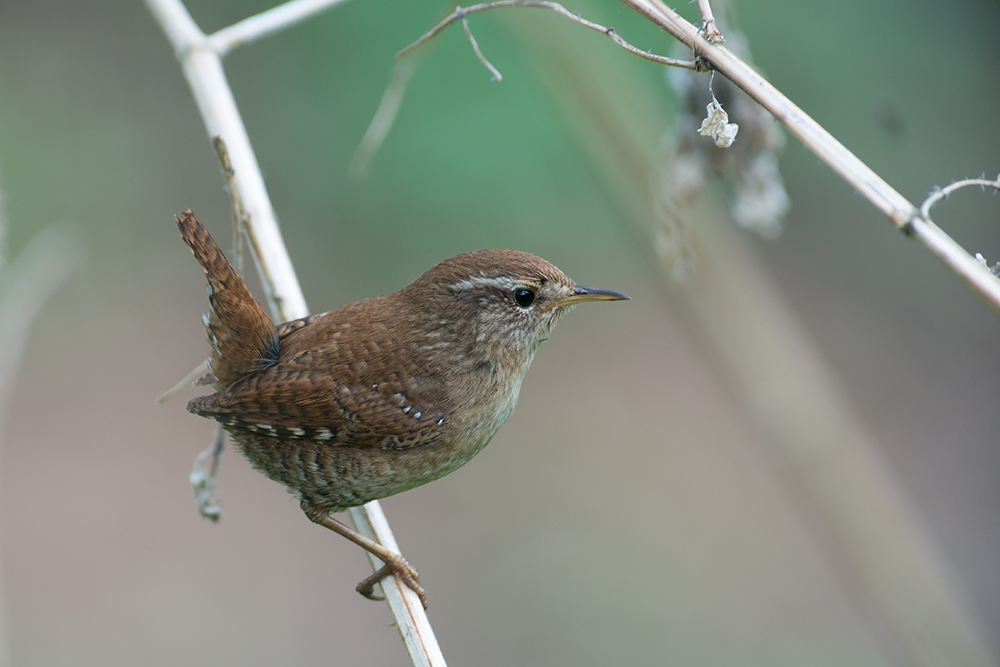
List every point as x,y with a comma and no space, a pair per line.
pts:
383,395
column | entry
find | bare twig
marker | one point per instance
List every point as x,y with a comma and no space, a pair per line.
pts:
385,115
241,218
859,175
383,119
461,13
904,214
388,107
202,478
479,54
202,67
943,193
188,380
708,27
266,23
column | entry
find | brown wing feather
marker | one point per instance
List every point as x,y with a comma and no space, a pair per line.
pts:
378,415
294,325
334,382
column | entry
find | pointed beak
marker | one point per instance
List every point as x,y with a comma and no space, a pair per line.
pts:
581,294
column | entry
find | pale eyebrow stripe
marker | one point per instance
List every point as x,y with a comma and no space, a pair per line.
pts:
475,281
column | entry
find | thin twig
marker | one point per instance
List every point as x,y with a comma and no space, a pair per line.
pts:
202,67
945,192
266,24
461,12
383,119
186,382
479,54
708,27
202,478
388,107
817,139
241,217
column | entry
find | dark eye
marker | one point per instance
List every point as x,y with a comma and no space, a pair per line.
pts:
524,297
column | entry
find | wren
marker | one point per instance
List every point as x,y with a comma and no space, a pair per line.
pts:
383,395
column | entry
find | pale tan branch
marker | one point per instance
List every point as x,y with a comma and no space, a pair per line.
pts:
818,140
461,13
266,24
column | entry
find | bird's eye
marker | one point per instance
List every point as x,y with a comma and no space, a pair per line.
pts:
524,297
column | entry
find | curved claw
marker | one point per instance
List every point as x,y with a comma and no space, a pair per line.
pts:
395,565
367,587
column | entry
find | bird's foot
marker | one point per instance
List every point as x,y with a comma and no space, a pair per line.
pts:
394,565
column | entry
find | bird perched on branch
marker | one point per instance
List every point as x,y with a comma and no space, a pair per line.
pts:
383,395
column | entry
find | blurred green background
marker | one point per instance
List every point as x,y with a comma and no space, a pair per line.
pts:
629,513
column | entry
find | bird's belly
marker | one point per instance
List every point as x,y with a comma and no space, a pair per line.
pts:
336,477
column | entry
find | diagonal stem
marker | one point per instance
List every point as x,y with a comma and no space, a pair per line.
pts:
859,175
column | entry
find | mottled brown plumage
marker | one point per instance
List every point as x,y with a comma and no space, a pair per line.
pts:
382,395
242,337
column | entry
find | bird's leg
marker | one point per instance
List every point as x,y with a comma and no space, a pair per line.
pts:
394,563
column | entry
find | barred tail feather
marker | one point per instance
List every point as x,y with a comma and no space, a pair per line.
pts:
242,336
